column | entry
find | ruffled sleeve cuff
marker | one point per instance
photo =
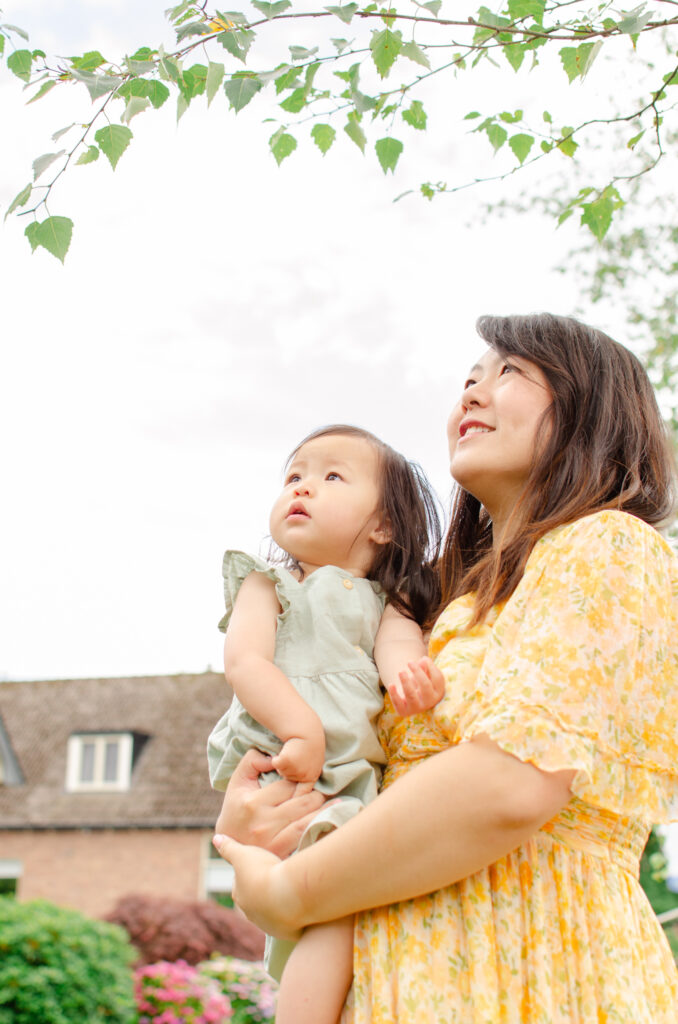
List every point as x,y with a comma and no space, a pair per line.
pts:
237,566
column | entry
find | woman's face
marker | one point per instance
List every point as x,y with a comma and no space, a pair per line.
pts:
494,430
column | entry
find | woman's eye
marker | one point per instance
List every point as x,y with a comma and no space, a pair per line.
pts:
469,383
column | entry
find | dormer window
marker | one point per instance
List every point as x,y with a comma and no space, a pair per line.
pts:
99,761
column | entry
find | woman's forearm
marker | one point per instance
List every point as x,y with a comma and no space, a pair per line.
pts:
454,814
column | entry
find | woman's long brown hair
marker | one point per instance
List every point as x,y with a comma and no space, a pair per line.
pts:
602,444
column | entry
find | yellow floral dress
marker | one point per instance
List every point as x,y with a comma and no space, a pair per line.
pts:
577,670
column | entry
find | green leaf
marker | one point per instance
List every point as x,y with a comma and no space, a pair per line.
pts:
89,156
355,132
301,53
43,162
31,233
193,81
388,152
295,102
89,61
385,47
232,17
97,85
634,21
515,54
323,135
282,145
576,60
415,115
340,44
511,118
42,91
433,6
633,142
527,9
363,103
345,13
168,68
415,53
566,143
497,135
489,22
54,234
521,145
597,215
472,115
113,140
278,73
20,63
547,117
240,89
20,200
215,76
238,42
135,105
19,31
270,11
158,93
192,28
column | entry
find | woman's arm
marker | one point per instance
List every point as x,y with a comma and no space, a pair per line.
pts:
456,813
412,680
263,689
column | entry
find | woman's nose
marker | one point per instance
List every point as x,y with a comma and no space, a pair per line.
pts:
474,394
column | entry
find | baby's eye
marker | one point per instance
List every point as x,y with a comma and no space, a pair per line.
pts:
334,476
293,478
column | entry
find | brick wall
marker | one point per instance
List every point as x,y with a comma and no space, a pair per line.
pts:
89,871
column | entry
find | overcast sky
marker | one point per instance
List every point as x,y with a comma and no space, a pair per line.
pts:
212,310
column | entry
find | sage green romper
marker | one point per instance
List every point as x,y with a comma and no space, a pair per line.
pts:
324,645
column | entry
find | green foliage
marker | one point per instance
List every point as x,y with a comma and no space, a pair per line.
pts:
58,967
653,869
393,50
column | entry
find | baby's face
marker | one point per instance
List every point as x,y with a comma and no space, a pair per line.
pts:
327,513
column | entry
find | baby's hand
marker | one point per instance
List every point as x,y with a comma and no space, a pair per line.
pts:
420,688
300,759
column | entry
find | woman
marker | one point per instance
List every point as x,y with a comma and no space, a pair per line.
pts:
502,855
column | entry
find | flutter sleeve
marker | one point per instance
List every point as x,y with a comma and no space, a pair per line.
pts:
581,670
236,567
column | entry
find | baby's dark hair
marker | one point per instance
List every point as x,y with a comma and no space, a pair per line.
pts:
405,566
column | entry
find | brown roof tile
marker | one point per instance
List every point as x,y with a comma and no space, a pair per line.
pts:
170,786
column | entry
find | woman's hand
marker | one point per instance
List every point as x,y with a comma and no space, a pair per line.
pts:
274,816
261,890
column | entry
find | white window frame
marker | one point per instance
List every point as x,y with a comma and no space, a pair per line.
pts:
74,781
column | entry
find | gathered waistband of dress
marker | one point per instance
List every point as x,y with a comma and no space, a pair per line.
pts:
601,833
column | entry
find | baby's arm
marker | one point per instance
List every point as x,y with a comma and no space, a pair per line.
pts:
263,689
400,642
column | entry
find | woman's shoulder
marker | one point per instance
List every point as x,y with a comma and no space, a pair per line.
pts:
608,530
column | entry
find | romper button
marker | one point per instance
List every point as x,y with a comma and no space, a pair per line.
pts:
348,584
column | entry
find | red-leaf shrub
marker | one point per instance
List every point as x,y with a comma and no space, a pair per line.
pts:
169,929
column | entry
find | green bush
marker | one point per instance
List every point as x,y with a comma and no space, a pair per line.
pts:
58,967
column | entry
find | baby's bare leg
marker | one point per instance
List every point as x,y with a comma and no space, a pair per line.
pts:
317,975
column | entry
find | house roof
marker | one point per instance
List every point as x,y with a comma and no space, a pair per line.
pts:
170,785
